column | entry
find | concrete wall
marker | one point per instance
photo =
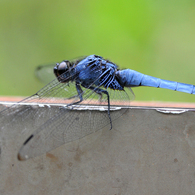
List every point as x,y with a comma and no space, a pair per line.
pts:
147,152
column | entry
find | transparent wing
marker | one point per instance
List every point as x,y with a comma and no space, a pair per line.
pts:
45,73
17,115
69,122
72,123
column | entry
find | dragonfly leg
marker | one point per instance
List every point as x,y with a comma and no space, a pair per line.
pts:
99,92
80,91
71,97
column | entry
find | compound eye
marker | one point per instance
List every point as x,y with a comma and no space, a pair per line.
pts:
63,67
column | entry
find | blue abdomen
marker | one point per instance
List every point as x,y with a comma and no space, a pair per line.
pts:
132,78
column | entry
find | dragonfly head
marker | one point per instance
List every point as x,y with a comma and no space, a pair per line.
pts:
61,68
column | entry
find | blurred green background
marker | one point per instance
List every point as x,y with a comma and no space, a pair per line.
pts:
154,37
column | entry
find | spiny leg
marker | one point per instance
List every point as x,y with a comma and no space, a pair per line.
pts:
80,91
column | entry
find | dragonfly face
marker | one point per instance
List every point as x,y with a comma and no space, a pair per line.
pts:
62,71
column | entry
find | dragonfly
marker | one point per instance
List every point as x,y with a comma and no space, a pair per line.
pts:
89,93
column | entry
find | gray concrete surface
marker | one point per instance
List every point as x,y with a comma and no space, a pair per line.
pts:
146,153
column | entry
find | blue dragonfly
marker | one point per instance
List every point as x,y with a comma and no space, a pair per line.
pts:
91,84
